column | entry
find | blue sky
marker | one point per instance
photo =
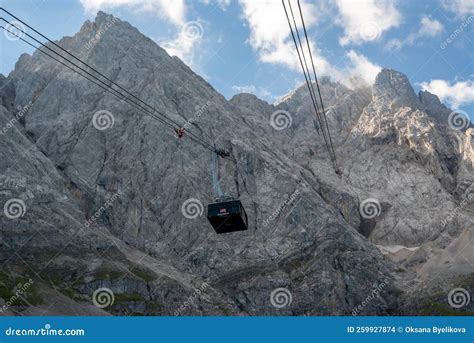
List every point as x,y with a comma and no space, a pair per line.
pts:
246,46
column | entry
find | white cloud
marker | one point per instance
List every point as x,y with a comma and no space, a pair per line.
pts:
455,95
245,89
362,68
172,10
270,34
271,38
261,92
394,44
428,28
366,20
460,7
222,4
269,31
184,44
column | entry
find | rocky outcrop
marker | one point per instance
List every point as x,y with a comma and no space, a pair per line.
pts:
433,107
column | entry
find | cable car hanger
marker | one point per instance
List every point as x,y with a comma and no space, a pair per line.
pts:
226,214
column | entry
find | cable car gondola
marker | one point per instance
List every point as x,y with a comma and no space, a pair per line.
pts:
226,214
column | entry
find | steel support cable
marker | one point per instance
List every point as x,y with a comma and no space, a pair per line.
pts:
323,121
190,134
321,116
306,78
65,59
303,54
310,82
300,60
107,88
79,60
127,99
69,67
317,83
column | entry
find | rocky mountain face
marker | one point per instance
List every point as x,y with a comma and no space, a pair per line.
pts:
94,205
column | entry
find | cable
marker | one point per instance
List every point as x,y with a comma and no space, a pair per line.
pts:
309,82
57,60
105,87
127,99
76,58
299,57
307,75
321,116
196,138
317,83
164,119
115,93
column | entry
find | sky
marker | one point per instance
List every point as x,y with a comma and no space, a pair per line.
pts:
246,46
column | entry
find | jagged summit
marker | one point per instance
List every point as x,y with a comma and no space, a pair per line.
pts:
104,20
103,17
433,106
394,87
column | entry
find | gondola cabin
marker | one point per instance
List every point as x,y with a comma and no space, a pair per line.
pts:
227,216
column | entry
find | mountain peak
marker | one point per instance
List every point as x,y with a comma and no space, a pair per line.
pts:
433,106
102,22
395,87
105,18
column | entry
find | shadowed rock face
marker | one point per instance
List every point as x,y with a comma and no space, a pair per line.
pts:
103,208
